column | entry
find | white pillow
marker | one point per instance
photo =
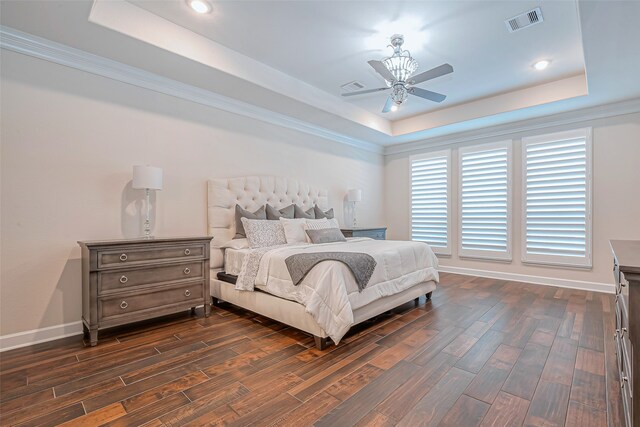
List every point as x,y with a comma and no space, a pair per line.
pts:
236,244
261,232
294,229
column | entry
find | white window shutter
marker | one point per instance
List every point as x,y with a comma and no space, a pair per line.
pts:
557,198
431,200
485,201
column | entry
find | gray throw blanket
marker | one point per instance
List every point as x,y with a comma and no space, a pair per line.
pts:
360,264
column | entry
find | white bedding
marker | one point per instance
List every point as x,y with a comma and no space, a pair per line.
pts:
329,291
233,260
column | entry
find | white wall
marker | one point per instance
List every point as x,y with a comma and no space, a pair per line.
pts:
616,199
69,140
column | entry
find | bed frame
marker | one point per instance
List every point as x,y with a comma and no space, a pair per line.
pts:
251,193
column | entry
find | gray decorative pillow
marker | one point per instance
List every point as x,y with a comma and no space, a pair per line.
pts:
264,233
326,235
299,213
320,214
242,213
273,213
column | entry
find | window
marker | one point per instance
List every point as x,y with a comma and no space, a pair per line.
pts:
556,190
485,201
430,200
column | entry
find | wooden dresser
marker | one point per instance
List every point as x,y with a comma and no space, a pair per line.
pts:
126,281
378,233
626,271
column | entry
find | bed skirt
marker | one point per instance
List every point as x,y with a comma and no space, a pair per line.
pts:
293,314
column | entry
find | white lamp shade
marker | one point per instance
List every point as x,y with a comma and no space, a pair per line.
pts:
147,177
354,195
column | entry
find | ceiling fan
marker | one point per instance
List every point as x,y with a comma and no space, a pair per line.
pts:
397,70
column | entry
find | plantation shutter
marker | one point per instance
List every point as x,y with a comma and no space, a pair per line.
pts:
485,199
557,207
430,200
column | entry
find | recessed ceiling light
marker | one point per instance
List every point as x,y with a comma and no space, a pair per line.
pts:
541,65
200,6
394,108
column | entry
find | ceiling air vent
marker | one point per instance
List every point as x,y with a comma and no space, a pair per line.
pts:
524,20
352,86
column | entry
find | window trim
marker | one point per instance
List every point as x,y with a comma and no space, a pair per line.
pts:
443,251
488,255
570,262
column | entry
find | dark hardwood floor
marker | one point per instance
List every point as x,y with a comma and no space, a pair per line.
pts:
482,352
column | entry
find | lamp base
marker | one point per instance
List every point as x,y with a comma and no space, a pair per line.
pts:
355,222
147,220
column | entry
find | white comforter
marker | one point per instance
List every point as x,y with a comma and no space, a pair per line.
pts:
329,292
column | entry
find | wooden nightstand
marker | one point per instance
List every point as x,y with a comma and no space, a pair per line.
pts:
378,233
126,281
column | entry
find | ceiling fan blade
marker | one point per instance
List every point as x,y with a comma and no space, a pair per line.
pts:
387,105
382,70
360,92
427,94
431,74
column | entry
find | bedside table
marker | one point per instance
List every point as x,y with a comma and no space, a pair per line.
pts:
378,233
125,281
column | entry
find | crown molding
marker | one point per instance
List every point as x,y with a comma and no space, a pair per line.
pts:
529,125
38,47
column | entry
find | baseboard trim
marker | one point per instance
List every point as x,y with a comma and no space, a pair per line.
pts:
37,336
536,280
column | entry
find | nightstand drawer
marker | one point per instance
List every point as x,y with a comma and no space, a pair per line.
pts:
122,305
125,279
378,235
132,255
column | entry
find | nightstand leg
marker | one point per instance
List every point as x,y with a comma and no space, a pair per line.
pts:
207,309
193,310
93,337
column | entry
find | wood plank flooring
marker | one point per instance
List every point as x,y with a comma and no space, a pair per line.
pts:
483,352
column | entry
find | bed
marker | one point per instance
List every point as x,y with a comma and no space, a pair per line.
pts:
404,272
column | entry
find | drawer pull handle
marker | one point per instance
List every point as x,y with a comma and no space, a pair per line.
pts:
187,251
624,331
624,380
124,305
123,257
187,271
124,279
187,293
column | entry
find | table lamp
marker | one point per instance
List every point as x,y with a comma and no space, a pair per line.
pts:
147,178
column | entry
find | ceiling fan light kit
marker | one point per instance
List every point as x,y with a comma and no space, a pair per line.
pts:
397,71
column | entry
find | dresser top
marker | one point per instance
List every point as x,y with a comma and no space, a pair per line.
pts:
143,240
627,253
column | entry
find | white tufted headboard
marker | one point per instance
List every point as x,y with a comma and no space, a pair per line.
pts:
252,192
